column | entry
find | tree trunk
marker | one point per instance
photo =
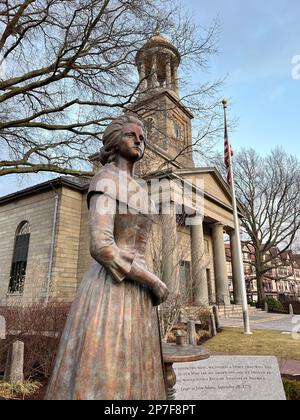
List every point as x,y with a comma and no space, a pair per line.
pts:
260,288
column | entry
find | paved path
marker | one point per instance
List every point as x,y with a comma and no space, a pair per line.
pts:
289,368
267,321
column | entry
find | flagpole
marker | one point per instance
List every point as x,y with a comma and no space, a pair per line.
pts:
238,235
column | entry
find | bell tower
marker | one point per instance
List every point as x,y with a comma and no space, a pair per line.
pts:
167,120
158,63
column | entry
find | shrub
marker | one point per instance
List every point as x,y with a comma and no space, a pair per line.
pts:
40,328
199,314
292,390
202,336
273,305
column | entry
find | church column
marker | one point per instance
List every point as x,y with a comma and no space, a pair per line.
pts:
143,80
168,73
220,264
170,263
199,280
236,280
153,77
175,79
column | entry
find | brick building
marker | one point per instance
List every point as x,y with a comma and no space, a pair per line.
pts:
281,283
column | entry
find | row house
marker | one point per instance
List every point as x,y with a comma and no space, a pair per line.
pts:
282,282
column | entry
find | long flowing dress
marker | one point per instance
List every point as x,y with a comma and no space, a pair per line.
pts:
110,348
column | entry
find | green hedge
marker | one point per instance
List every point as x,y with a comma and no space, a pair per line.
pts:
273,305
292,390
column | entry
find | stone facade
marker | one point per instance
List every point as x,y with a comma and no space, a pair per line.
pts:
53,212
38,210
64,280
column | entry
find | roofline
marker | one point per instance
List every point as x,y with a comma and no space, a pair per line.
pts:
45,186
214,170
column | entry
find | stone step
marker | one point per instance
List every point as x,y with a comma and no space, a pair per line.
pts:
235,311
230,311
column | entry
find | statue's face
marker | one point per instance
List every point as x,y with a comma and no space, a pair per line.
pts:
132,143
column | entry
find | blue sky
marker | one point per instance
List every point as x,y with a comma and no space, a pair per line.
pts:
257,43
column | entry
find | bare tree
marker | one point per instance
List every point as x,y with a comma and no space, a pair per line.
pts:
66,68
180,302
268,188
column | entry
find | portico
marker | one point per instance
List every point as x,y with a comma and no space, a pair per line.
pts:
193,243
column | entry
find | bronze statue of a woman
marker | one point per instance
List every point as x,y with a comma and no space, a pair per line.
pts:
110,348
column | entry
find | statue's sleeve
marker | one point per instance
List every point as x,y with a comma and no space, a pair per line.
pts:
102,210
104,182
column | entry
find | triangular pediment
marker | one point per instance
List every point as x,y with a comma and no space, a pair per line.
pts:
212,182
217,194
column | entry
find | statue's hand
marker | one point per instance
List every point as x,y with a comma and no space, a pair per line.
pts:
160,292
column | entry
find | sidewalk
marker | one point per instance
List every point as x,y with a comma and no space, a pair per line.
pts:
289,368
264,320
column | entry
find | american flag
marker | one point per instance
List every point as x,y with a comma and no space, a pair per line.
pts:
226,153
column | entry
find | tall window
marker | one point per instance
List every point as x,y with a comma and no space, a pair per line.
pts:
177,130
19,261
185,274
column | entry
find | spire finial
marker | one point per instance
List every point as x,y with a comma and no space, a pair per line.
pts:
157,29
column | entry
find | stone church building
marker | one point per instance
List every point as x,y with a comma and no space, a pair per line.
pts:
44,229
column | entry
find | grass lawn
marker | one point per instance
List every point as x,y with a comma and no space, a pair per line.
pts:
261,343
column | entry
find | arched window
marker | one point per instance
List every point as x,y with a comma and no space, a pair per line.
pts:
19,261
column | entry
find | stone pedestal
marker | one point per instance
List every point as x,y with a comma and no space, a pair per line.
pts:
192,336
15,363
2,328
212,325
220,266
216,316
